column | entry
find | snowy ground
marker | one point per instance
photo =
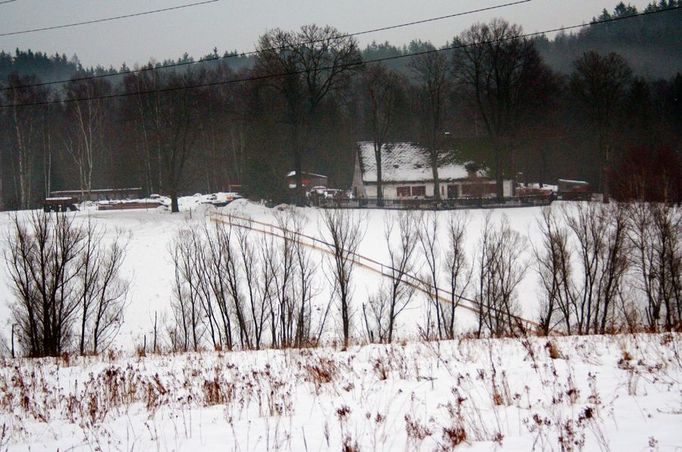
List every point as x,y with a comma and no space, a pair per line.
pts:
576,393
149,268
591,393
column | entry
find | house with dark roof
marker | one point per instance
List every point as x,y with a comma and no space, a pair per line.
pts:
406,174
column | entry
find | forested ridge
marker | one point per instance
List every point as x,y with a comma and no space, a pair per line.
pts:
122,127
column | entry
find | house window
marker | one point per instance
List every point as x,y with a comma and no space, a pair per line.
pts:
419,190
403,192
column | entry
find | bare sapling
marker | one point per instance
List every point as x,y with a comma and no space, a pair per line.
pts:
458,269
343,231
499,271
101,290
188,311
429,227
586,221
284,279
305,288
383,308
599,236
553,259
655,232
232,271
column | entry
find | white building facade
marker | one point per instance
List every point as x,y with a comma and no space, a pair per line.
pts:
406,174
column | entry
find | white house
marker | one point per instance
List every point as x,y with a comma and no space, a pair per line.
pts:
406,173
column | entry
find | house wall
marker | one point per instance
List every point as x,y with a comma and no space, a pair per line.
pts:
358,187
473,188
391,189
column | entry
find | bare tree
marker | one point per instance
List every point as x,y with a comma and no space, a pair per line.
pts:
101,291
603,260
252,276
62,273
343,235
501,71
167,116
27,122
313,62
431,252
600,84
85,140
305,288
457,268
385,307
285,278
383,88
500,270
187,304
555,269
431,72
655,232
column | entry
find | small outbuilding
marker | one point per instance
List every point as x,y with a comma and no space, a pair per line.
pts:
309,180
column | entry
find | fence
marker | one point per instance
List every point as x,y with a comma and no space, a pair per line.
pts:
445,297
432,204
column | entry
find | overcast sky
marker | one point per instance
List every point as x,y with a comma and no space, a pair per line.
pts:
236,25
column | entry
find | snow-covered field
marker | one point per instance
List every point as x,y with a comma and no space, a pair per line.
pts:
149,268
582,393
618,393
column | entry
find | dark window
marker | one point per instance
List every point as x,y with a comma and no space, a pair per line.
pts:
403,192
419,190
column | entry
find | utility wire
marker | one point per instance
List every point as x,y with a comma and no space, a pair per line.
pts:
7,1
349,65
254,52
106,19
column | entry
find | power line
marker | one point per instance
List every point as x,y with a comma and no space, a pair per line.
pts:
254,52
7,1
106,19
349,65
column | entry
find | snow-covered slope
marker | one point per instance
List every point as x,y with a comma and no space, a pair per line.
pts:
613,393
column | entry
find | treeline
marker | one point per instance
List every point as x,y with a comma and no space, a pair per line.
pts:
305,98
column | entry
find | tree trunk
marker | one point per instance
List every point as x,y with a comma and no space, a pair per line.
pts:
380,185
175,208
499,181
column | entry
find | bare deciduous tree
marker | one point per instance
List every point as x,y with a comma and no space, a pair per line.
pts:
344,234
500,270
600,84
392,299
501,72
431,72
61,272
383,88
655,233
27,122
429,229
102,292
317,61
85,139
457,268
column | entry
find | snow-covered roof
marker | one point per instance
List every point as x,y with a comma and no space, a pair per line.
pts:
577,182
305,173
403,162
